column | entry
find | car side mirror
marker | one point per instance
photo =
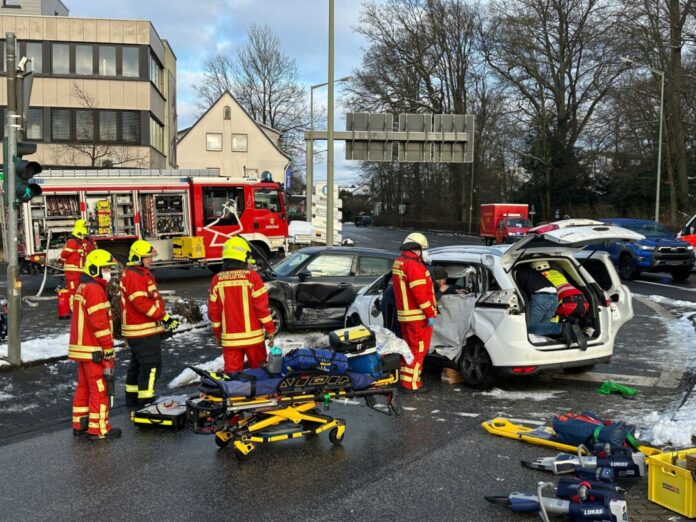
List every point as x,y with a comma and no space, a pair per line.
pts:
376,308
304,275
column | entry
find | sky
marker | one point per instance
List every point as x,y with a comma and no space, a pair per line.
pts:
196,30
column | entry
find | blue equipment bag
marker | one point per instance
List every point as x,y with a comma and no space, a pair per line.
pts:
315,359
588,429
369,364
361,380
247,383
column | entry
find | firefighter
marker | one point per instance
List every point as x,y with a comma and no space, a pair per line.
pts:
92,346
143,321
415,307
238,309
73,256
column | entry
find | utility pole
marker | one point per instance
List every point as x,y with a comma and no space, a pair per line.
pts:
330,136
14,285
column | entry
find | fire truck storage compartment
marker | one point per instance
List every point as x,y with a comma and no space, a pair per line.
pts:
57,212
110,214
163,215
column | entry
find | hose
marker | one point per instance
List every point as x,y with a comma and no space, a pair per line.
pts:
45,275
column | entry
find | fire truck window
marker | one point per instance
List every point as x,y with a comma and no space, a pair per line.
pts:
214,202
267,199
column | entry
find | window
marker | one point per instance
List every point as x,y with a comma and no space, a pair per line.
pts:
35,54
84,60
227,113
289,264
61,58
107,60
108,126
373,266
213,141
12,3
35,124
331,266
130,127
215,199
156,73
156,134
267,199
130,62
84,125
60,124
239,143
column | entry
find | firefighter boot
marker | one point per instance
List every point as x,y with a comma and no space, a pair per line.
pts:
83,428
567,333
113,433
580,337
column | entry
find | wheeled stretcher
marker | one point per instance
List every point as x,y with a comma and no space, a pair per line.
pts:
290,411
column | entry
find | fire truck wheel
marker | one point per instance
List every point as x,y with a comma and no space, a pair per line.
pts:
278,319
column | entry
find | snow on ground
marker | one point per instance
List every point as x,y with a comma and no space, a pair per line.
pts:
521,395
676,425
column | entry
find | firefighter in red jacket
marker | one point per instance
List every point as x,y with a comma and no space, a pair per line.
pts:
92,346
415,307
143,321
238,309
74,254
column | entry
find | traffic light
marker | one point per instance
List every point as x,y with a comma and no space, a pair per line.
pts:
25,187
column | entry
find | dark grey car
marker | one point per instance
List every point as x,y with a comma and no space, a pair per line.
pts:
314,286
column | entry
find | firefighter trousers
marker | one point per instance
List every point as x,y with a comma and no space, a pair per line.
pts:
417,335
144,369
234,357
90,402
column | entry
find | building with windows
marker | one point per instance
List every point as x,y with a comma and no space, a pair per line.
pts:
34,7
104,92
227,139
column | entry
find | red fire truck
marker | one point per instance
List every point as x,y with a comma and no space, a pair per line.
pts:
187,215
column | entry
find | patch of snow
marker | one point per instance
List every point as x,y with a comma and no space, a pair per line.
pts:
440,420
4,396
188,376
667,301
464,414
42,347
435,411
521,395
408,408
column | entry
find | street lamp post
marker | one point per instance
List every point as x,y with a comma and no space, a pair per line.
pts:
659,134
310,147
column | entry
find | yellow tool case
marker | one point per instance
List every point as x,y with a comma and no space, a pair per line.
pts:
352,340
671,484
165,412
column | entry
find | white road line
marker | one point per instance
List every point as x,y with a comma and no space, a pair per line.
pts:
630,380
666,286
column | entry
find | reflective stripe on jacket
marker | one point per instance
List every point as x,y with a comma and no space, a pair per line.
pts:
238,308
142,307
91,327
413,289
74,253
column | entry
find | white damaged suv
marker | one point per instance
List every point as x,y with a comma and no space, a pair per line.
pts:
483,333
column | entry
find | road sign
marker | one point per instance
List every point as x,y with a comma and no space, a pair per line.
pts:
320,211
367,149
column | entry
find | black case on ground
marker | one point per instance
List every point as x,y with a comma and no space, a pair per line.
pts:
167,412
352,340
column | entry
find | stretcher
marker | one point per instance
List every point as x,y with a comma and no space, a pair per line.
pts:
540,435
291,411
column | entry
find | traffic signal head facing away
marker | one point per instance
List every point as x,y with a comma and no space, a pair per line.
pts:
25,188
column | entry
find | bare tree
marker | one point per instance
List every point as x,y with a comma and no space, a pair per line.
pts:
217,78
90,148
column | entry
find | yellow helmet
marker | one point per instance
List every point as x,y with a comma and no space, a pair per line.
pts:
140,249
238,249
80,229
96,260
415,241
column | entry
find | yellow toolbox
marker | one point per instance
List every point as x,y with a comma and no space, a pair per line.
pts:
188,247
670,484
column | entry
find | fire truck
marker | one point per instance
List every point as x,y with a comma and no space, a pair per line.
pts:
187,215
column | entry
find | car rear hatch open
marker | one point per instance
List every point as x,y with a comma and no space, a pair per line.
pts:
565,237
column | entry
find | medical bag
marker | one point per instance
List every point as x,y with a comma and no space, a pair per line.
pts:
588,429
169,412
375,365
315,359
352,340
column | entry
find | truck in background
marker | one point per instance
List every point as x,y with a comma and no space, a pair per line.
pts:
504,222
688,233
187,215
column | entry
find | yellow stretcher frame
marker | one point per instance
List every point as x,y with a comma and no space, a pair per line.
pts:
503,427
252,416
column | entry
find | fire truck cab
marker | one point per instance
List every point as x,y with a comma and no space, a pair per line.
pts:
187,215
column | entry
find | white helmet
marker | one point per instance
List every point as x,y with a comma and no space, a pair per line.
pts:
415,241
540,265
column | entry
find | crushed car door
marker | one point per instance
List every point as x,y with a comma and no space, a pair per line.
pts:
325,289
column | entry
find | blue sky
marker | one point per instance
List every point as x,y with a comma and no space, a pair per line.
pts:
196,30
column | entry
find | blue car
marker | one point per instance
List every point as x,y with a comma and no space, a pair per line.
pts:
660,251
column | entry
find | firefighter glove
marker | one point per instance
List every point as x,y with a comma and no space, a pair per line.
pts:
170,323
109,354
431,322
97,357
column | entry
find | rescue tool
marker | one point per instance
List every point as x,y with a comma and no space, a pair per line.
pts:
623,461
579,504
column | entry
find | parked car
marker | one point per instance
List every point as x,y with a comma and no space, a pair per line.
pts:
484,333
688,233
363,220
659,251
314,286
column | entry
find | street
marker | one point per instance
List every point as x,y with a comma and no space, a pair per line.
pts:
434,461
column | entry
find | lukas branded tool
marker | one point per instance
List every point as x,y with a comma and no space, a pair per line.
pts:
624,462
583,503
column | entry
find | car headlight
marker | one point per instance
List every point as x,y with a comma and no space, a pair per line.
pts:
690,247
646,247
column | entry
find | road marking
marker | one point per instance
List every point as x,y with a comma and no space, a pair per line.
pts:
631,380
666,286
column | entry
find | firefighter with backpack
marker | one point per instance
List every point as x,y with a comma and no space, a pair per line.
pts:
238,308
143,321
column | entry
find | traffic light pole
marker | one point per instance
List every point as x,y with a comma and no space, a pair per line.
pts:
14,285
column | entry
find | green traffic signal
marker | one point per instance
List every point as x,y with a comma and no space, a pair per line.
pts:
25,187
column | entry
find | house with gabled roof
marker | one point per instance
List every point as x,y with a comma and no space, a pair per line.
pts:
227,139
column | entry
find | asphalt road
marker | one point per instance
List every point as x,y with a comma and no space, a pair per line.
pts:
432,462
